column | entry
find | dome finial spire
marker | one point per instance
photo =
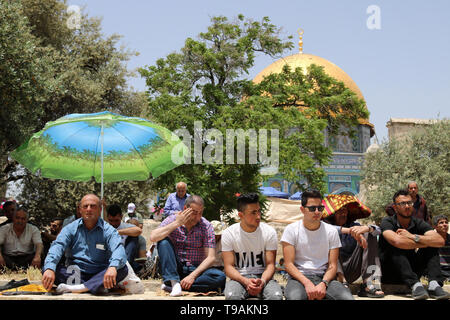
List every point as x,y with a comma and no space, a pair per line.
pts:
300,42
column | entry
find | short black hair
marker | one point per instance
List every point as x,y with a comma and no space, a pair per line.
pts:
436,219
8,203
113,210
315,194
245,199
401,192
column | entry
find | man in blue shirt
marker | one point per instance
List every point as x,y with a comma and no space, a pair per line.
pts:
96,257
175,201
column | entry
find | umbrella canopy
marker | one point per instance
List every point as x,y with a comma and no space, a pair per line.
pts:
296,196
104,145
272,192
356,209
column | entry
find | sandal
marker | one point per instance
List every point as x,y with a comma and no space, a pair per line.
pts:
370,292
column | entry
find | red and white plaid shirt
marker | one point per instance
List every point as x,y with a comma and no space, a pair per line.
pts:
189,246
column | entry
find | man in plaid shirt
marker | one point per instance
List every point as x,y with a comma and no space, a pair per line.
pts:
186,248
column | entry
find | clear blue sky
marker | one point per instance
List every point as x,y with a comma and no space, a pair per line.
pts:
402,69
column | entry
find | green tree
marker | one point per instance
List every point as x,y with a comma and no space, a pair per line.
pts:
49,69
26,80
46,199
422,156
206,82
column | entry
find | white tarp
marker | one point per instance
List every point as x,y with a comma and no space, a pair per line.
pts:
283,210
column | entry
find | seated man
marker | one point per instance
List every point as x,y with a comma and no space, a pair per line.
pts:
280,269
311,250
219,226
96,257
419,209
186,250
358,256
249,249
142,243
20,242
49,236
133,214
175,201
128,232
440,224
408,250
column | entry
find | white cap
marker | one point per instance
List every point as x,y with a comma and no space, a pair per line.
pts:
131,207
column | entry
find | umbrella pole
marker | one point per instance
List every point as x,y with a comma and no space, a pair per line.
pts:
101,157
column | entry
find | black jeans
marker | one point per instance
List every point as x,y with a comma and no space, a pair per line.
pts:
400,266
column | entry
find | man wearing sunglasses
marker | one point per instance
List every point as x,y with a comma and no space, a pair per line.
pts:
311,250
408,250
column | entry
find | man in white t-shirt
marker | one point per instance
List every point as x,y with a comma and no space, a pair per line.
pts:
249,251
311,250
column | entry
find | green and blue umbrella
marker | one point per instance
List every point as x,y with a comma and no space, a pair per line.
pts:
104,145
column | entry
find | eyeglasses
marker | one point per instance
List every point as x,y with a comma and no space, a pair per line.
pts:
314,208
404,203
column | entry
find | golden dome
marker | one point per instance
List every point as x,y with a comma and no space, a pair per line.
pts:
304,60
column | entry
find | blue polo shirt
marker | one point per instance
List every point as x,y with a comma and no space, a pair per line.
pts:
91,250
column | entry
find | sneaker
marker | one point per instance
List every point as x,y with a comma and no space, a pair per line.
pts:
439,294
420,293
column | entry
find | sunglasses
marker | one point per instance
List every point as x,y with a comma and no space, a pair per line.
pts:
314,208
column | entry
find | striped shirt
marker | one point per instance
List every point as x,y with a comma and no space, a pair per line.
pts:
189,246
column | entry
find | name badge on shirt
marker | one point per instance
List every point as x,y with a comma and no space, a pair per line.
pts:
100,246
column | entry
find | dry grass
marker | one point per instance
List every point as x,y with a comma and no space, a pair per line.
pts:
32,274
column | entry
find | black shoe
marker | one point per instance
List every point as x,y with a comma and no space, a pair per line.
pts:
14,284
439,294
420,293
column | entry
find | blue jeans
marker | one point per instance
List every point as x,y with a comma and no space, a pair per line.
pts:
94,282
131,250
234,290
172,269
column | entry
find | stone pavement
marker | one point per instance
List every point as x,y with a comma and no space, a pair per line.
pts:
153,292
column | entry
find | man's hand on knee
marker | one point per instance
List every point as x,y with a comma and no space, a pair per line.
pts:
109,280
48,278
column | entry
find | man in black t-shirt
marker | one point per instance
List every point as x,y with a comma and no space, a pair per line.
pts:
402,234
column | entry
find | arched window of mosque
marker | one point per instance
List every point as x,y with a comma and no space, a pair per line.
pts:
332,143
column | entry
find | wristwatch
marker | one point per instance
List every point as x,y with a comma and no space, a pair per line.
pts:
326,283
416,238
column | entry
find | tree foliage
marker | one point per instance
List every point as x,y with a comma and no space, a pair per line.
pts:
206,82
422,156
49,69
